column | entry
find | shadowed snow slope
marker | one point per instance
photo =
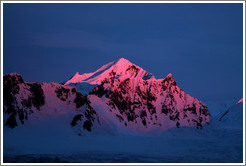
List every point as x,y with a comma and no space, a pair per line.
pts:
233,116
218,107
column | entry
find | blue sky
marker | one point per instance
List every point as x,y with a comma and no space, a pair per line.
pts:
200,44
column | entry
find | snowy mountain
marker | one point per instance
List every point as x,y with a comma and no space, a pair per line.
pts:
120,97
32,102
140,100
233,116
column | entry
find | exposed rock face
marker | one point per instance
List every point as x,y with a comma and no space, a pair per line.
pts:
152,102
20,99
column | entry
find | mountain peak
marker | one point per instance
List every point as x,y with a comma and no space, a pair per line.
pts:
169,76
119,68
122,63
17,77
14,74
122,60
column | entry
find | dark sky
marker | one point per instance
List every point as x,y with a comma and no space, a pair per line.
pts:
200,44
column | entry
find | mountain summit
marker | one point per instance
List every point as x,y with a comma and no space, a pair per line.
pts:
119,68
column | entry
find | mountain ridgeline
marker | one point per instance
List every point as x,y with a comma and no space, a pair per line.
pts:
120,96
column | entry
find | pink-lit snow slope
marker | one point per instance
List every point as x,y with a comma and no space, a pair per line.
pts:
240,101
119,68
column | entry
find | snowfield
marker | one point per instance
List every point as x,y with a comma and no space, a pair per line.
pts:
55,142
212,144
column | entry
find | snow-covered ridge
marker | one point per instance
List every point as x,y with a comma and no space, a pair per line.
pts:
120,96
119,68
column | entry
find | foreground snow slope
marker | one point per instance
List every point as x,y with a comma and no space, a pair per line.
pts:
213,144
56,142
